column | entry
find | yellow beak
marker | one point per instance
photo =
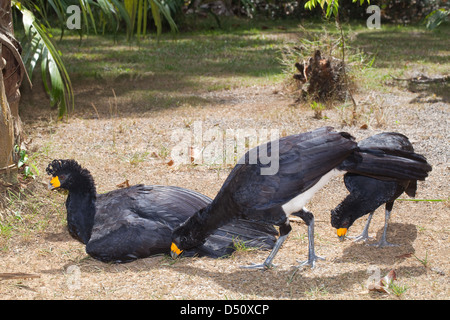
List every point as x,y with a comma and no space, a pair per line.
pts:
341,232
54,183
174,251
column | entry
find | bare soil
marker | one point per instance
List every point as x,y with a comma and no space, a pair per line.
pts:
118,141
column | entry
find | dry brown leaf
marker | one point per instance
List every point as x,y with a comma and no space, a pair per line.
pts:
124,184
192,154
385,282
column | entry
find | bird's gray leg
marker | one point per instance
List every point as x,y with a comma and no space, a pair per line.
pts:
308,217
267,264
383,242
364,236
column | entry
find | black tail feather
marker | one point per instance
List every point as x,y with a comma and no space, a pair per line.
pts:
411,188
394,152
224,240
387,164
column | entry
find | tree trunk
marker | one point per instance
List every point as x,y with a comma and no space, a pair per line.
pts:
12,71
8,171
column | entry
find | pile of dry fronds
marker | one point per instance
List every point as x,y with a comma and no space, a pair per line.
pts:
316,68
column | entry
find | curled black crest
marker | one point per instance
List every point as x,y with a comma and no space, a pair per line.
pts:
60,165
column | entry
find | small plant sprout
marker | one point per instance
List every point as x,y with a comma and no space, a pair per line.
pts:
24,163
317,107
423,261
397,289
240,245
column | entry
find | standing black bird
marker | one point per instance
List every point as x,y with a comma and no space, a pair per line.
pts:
306,163
367,194
136,222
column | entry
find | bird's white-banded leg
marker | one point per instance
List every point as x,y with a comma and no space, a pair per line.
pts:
295,207
267,264
383,242
364,236
312,257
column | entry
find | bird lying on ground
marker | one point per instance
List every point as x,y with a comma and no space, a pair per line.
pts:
307,161
137,222
367,194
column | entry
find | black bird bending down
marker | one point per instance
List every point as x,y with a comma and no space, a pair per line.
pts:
136,222
306,163
367,194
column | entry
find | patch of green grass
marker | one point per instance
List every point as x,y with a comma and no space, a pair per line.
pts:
239,54
138,157
187,57
423,261
163,152
175,70
5,231
317,291
29,213
402,51
241,246
397,289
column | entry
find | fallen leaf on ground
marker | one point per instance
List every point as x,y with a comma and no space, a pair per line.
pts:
404,256
384,283
124,184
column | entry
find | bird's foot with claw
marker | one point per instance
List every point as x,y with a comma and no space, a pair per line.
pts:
262,266
310,262
363,238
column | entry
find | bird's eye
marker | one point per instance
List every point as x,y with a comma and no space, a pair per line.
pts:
62,177
183,239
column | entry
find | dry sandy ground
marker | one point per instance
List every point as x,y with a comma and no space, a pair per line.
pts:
118,144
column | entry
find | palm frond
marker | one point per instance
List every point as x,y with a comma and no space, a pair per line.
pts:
106,13
137,12
54,74
86,9
165,10
156,13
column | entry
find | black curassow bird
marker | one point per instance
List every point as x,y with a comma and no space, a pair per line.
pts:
367,194
137,222
307,161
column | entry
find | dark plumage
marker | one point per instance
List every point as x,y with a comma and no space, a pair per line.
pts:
306,162
367,194
136,222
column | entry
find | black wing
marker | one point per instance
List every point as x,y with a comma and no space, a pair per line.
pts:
223,241
387,140
303,160
138,221
375,191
